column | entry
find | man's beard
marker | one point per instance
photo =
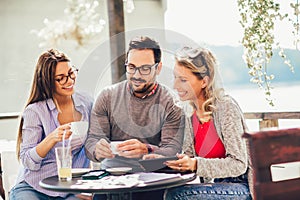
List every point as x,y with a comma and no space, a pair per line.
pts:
144,89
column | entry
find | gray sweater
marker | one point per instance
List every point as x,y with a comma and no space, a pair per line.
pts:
230,126
119,115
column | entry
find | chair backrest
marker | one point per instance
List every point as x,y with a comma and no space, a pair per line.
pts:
273,147
10,168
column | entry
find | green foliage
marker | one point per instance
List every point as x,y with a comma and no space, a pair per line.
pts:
258,21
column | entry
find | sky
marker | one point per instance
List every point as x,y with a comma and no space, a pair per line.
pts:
217,21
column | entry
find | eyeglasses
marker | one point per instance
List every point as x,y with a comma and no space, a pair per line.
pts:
63,79
144,69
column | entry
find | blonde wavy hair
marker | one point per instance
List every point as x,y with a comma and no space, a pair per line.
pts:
201,62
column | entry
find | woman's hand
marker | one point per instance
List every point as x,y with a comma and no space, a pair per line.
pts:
184,163
56,136
60,132
84,196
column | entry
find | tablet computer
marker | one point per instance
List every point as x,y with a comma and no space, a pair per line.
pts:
155,164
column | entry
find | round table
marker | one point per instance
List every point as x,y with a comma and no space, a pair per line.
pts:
52,183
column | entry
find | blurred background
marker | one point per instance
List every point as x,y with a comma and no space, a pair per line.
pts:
27,28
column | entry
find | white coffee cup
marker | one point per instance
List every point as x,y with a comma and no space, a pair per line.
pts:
114,148
79,128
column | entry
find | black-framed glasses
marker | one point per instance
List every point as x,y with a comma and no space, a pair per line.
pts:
63,79
143,69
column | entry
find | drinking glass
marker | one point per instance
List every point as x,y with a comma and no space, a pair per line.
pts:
64,163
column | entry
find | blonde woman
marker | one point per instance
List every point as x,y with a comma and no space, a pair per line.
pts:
213,145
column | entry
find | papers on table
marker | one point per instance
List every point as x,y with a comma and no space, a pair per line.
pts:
124,181
154,177
108,182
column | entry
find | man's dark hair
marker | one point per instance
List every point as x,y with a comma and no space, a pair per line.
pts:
144,42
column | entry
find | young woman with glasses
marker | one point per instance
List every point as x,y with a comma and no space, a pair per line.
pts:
52,105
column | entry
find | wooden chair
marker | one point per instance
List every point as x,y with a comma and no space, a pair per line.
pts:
273,147
10,167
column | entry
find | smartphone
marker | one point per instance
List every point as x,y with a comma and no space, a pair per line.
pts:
93,175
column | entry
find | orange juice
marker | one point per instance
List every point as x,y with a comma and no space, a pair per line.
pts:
65,174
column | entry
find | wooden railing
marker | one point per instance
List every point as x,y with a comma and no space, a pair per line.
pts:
270,119
266,119
272,115
11,115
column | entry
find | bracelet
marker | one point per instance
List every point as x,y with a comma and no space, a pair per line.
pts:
149,148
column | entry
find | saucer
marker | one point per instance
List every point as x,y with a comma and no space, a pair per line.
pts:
119,170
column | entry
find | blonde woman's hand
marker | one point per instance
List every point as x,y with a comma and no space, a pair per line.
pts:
184,163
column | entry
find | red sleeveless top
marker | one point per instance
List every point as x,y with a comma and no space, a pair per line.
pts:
207,142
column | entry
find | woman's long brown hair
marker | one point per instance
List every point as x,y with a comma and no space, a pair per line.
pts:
43,83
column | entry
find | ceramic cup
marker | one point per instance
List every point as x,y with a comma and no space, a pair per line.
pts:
79,128
114,148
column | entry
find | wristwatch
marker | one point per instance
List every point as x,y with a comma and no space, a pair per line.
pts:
94,154
149,148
